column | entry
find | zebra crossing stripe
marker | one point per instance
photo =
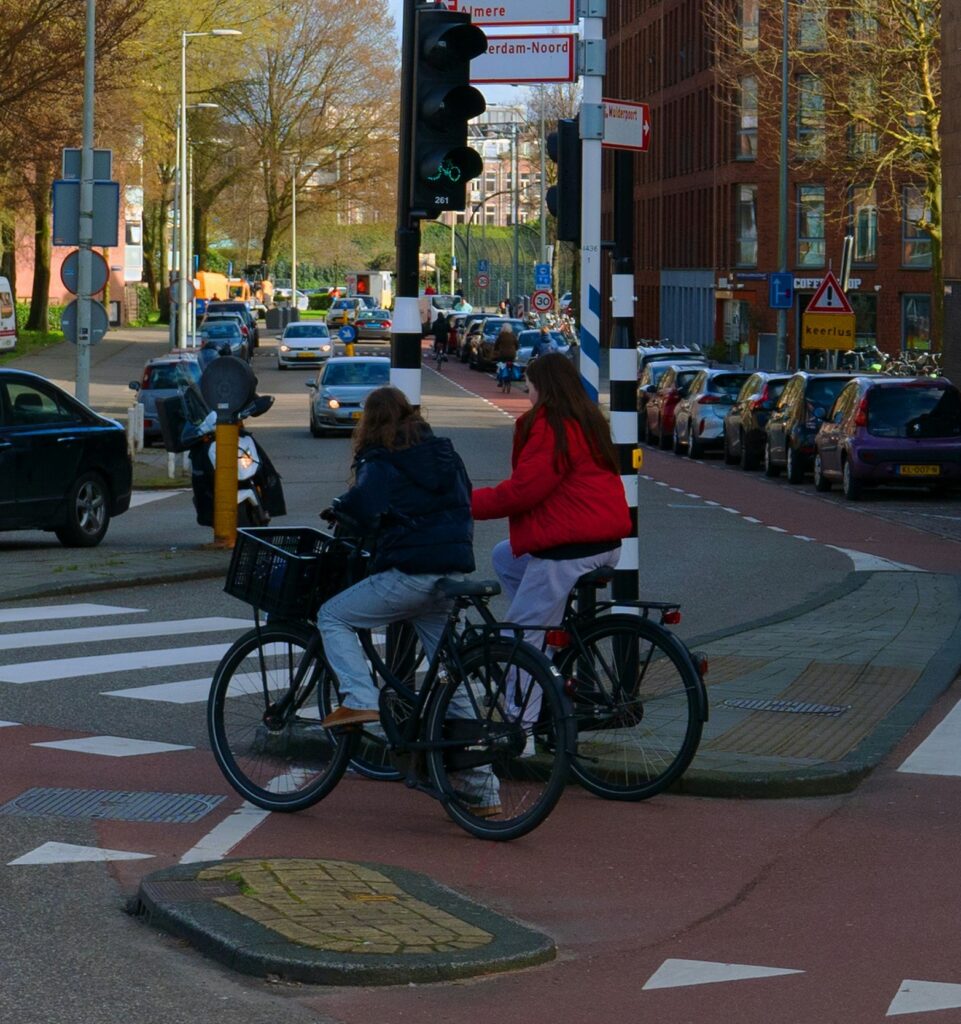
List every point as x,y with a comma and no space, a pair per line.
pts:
188,691
63,611
132,661
127,631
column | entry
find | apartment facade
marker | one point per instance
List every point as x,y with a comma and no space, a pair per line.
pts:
707,196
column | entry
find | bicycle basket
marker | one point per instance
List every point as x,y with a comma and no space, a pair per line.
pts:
289,572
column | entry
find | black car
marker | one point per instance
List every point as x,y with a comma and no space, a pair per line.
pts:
249,317
63,467
744,424
795,419
482,342
651,372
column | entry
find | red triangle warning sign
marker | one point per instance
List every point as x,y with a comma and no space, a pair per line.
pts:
829,298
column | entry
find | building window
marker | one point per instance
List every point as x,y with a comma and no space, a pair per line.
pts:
916,323
863,21
812,35
915,241
862,135
865,305
810,117
747,119
746,224
864,224
810,229
749,21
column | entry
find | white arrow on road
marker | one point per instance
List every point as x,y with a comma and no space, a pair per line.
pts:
680,973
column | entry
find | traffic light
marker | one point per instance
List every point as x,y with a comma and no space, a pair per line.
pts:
564,198
444,101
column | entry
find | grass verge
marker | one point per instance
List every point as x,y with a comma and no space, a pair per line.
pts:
30,341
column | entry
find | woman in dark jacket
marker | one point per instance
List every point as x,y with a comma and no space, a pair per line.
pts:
411,490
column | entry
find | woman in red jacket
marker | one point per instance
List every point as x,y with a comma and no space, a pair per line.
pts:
564,501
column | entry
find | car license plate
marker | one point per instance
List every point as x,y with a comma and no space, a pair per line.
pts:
306,355
355,415
919,470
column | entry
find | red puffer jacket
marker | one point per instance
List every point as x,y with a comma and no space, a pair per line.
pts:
548,505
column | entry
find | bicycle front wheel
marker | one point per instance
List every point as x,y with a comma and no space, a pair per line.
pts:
501,737
639,706
263,718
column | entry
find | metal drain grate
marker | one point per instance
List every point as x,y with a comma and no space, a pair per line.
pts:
793,707
116,805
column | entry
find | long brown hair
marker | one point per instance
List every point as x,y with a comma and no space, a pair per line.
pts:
561,395
389,421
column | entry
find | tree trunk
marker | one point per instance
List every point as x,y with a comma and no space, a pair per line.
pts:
40,299
8,261
267,245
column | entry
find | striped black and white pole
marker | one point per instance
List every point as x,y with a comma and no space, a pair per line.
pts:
624,368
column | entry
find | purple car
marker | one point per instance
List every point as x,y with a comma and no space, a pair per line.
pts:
890,430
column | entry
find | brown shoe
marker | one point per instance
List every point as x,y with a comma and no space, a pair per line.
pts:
490,811
350,716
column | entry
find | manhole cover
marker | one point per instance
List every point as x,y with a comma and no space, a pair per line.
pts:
116,805
793,707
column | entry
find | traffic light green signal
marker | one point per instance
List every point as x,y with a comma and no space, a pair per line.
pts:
444,101
564,199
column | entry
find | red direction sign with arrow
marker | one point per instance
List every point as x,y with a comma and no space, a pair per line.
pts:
829,298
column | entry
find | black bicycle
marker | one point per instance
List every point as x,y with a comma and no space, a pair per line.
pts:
638,693
483,726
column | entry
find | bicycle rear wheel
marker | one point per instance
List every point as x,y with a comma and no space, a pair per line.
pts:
395,651
639,705
504,736
263,718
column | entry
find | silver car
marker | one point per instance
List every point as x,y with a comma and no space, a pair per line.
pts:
699,416
340,390
304,344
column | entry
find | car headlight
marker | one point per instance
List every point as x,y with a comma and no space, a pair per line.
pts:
325,348
332,403
284,348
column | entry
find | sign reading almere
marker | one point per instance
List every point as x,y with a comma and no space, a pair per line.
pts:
518,12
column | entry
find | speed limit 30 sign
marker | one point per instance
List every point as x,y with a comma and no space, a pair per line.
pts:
542,301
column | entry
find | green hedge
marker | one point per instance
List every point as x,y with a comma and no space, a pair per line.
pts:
53,316
319,301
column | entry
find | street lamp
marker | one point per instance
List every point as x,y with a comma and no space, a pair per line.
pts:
182,296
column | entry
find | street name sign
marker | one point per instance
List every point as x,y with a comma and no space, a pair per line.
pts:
519,59
518,12
626,125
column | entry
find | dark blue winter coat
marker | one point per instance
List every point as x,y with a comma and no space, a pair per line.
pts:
416,501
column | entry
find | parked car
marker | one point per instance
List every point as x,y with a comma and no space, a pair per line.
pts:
794,421
525,345
898,430
661,405
63,467
482,342
565,304
673,353
304,343
745,421
221,332
246,313
229,318
373,324
699,416
340,390
163,378
472,327
344,311
647,382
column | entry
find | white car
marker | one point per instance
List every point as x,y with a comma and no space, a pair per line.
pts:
304,344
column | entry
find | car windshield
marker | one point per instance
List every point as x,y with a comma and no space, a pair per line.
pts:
223,329
443,301
306,331
356,373
373,314
823,391
173,376
343,304
914,411
729,384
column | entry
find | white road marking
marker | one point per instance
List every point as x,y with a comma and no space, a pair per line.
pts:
112,746
940,752
221,839
63,611
751,519
681,973
777,529
133,661
4,725
924,997
127,631
188,691
863,562
139,498
68,853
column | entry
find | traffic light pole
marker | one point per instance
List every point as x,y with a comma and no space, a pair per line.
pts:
405,355
624,368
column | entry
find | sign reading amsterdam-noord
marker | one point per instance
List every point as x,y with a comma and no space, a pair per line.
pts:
518,12
520,59
626,125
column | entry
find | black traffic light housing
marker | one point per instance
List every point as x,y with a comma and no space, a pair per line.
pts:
444,101
564,198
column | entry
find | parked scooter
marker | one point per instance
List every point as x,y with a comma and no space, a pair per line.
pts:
260,493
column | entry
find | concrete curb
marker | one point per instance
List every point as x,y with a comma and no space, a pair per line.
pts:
178,901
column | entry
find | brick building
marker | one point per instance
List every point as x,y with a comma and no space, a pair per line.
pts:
707,196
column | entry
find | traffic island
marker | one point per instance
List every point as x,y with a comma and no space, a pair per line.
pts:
329,922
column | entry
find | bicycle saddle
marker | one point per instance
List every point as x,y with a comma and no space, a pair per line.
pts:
468,588
596,578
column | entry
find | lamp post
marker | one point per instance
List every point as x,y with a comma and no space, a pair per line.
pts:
189,228
183,299
515,289
782,220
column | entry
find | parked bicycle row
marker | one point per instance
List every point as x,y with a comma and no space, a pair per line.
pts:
853,430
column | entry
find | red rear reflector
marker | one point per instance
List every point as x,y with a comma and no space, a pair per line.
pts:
700,661
671,618
709,400
557,638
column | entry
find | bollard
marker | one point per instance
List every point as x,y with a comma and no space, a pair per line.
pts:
227,438
349,349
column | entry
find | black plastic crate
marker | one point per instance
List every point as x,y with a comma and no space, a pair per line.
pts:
286,572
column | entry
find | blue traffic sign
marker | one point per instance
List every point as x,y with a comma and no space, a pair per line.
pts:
780,291
347,333
483,266
542,275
